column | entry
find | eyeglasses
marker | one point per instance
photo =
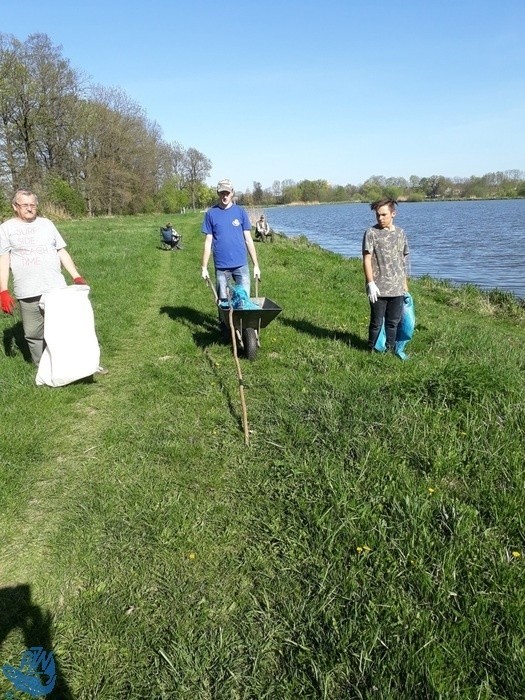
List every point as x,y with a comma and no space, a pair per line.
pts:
25,206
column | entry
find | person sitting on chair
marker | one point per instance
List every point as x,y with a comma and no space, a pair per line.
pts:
262,229
170,237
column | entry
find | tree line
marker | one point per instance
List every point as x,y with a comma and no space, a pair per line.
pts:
87,149
499,185
90,150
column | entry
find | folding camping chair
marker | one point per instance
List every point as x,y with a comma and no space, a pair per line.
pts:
169,238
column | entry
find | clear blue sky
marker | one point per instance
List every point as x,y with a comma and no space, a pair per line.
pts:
293,89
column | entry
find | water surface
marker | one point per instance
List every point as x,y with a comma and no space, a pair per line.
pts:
477,242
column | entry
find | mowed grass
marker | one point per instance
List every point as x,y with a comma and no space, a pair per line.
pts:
368,543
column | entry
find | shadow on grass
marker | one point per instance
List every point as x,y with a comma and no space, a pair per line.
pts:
304,326
18,612
208,335
14,338
205,328
14,341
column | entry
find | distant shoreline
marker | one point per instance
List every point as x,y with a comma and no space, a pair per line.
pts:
400,201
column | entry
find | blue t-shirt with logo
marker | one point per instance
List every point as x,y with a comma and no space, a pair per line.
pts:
227,226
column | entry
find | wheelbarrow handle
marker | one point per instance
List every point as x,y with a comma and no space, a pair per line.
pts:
211,286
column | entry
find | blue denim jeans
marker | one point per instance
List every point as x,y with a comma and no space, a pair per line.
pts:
240,275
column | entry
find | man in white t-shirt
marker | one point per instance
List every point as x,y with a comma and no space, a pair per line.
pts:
33,249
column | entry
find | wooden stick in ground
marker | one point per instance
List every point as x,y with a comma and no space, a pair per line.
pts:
239,374
237,364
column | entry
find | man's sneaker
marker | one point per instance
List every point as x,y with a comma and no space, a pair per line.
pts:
101,370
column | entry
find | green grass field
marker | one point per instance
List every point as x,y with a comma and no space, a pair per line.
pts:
368,543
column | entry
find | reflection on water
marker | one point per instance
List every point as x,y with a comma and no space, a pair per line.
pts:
480,242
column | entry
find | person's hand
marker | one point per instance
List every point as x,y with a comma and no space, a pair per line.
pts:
372,291
256,272
205,274
79,280
7,302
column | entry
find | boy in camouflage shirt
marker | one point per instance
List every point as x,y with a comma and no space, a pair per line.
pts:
385,251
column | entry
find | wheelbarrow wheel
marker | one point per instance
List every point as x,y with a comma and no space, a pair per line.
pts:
250,343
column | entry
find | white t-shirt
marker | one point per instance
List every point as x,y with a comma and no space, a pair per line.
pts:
34,255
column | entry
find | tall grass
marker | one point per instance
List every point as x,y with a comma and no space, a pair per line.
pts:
368,543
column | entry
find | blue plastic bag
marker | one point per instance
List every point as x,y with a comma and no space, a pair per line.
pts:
405,330
240,298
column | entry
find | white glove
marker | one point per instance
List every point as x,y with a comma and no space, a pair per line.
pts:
204,273
256,272
372,291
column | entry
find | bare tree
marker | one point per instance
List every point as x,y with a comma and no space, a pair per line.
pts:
120,155
38,90
197,169
90,140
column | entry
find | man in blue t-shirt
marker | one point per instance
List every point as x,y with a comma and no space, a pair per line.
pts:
228,237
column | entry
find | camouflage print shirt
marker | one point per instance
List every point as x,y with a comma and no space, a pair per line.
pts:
389,250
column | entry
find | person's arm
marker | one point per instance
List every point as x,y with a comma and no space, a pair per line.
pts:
206,256
67,263
253,254
207,250
5,261
7,303
372,291
367,267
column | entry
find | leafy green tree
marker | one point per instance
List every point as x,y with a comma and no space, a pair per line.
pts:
207,196
62,194
393,192
435,186
245,198
474,187
313,190
339,194
291,192
170,198
372,189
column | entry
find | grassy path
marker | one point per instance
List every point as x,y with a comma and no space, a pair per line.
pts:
126,458
73,441
368,543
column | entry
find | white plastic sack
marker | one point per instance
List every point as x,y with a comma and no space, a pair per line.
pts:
72,351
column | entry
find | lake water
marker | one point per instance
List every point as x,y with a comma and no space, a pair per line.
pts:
479,242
